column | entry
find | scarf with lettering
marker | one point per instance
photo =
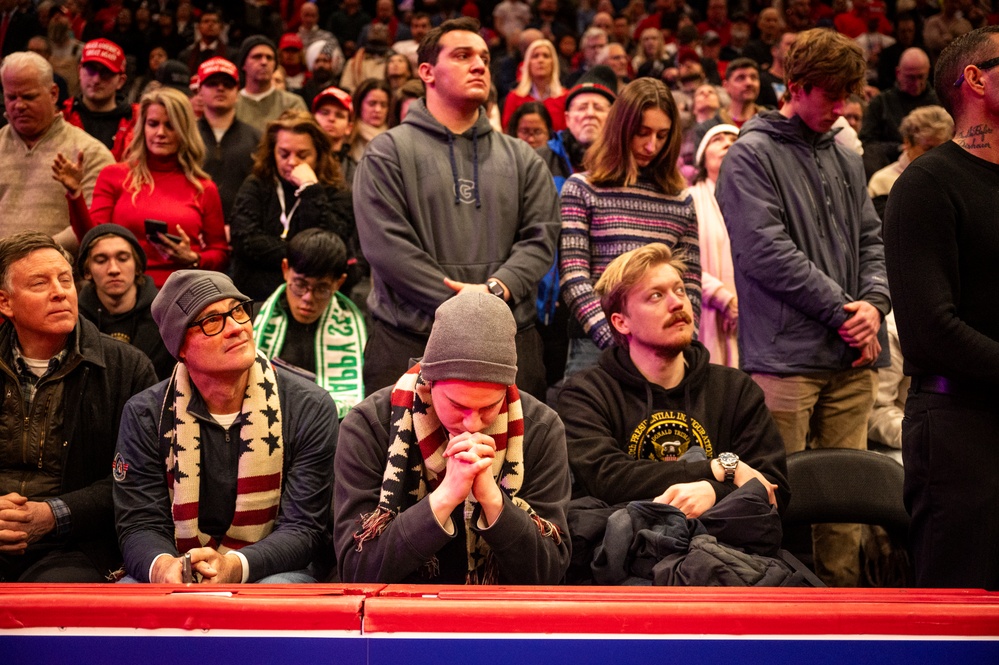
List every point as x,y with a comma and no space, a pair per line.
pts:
339,345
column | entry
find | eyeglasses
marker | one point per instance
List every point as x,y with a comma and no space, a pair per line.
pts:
529,133
213,324
299,287
982,66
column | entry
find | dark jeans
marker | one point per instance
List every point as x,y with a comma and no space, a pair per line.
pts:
950,451
47,563
389,351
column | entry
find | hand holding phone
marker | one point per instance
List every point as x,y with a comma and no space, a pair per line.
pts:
155,229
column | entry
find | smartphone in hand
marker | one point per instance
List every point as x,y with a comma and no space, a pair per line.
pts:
155,229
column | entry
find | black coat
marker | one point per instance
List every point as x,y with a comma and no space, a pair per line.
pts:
257,246
98,376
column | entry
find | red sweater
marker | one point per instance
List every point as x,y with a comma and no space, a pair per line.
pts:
173,200
554,105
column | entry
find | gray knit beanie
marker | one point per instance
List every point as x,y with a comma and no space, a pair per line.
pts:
182,297
472,340
247,46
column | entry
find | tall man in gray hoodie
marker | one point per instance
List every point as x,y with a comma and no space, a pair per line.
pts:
446,205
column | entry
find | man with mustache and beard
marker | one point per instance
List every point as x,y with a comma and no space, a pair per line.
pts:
653,420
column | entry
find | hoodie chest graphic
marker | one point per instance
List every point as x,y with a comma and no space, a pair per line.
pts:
666,435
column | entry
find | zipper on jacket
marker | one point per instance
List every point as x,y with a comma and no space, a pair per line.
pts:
42,434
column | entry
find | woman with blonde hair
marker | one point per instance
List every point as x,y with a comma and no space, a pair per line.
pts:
631,194
296,185
160,179
539,82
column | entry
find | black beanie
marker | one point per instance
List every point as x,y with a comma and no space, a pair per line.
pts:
247,46
600,79
104,230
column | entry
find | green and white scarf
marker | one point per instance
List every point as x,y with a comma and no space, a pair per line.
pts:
339,345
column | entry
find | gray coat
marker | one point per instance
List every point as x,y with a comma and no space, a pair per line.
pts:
806,241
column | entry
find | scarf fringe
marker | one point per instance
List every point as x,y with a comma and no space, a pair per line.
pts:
547,529
372,526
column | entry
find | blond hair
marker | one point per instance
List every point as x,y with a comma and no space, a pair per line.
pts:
625,271
554,84
190,148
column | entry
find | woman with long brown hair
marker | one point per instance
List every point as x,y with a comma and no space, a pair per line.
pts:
631,194
296,184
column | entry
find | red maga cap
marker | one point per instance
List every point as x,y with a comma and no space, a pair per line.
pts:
337,95
104,52
217,65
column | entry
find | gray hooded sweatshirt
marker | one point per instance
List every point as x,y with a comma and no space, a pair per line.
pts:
432,204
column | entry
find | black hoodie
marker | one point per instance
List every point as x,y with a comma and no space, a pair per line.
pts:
135,327
624,434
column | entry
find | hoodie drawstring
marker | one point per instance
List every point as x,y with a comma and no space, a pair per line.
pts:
475,165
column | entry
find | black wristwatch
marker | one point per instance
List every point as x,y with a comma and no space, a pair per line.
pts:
495,288
729,462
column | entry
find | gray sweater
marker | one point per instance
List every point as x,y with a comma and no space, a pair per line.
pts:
431,204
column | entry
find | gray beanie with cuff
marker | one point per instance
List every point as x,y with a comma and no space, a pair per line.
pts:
473,339
183,296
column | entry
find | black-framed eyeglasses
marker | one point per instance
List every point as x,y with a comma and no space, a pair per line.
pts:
300,287
213,324
982,66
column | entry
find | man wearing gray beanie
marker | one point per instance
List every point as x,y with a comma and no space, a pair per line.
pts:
259,438
259,101
456,475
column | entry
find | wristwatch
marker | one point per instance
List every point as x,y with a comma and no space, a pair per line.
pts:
495,288
729,462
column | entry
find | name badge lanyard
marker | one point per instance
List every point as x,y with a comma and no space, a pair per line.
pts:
285,217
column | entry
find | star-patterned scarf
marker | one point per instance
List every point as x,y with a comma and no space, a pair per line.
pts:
416,465
261,457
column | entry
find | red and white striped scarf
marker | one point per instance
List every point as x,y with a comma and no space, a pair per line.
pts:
261,458
417,437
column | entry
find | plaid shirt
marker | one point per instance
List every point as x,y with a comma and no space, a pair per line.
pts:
29,386
29,382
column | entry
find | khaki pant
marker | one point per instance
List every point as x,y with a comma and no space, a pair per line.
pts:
825,410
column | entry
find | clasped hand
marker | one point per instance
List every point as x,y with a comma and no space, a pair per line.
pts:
213,567
23,522
469,471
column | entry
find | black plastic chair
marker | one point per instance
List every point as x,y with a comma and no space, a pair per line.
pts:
838,485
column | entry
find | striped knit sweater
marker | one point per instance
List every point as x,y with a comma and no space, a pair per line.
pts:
601,223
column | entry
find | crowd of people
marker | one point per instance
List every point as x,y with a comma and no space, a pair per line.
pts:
514,287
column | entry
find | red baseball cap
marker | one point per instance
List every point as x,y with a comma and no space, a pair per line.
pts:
217,65
290,40
335,94
104,52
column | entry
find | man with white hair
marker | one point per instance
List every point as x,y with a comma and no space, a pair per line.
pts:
30,199
590,45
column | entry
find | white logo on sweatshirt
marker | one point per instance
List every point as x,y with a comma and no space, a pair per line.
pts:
466,191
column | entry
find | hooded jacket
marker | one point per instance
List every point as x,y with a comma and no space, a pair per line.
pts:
135,327
74,112
625,434
806,241
431,204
